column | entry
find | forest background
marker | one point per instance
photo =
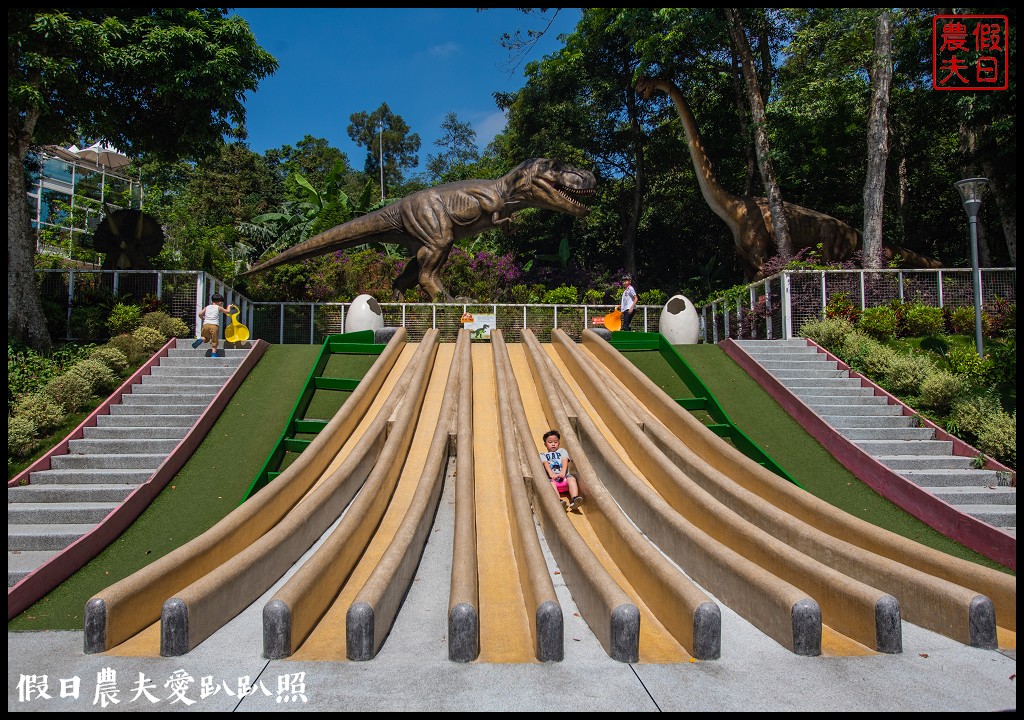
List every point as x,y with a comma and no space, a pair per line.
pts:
223,207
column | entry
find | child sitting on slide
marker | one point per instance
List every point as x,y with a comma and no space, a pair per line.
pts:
556,462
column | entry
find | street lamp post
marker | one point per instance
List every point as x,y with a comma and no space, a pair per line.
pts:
971,191
381,126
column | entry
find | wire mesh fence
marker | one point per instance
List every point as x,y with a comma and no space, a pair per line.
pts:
777,307
774,308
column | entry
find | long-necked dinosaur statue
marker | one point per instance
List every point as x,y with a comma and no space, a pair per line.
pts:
428,222
749,218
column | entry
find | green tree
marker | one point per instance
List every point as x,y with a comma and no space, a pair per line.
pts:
166,81
382,129
459,151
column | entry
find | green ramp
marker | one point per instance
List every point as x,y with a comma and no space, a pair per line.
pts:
322,396
701,398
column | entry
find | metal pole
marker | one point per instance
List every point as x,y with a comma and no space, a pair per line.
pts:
382,161
976,272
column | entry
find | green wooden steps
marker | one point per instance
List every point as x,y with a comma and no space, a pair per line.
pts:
289,444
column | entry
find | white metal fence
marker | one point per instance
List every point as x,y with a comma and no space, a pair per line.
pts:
776,308
184,293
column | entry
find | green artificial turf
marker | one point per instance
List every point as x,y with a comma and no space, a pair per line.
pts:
764,421
212,482
208,487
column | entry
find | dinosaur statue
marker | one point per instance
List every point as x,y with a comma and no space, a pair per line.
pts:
428,222
749,218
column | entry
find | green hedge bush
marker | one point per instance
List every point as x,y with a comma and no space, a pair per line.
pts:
921,320
879,322
21,436
124,318
71,391
41,409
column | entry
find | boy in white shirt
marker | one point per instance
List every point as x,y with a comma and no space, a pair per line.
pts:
209,316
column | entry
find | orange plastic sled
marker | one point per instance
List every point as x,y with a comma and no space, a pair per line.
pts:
613,321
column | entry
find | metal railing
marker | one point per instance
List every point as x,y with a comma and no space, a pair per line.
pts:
185,292
777,307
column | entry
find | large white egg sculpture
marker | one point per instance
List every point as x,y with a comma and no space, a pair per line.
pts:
364,314
679,322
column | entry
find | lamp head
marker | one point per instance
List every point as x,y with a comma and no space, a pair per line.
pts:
971,191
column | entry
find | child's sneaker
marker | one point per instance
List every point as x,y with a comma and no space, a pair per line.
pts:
197,342
576,502
565,505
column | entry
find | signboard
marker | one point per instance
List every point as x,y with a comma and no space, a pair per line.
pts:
480,326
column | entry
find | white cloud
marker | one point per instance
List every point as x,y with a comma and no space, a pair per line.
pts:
445,50
487,128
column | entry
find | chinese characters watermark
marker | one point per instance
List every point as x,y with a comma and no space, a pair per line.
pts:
970,52
178,688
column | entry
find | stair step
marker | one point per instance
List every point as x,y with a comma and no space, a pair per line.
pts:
876,448
183,398
897,433
57,513
154,410
814,375
46,493
45,536
831,391
926,462
22,562
999,516
865,409
952,478
876,422
970,495
798,364
132,433
193,379
112,462
88,476
170,388
140,420
120,446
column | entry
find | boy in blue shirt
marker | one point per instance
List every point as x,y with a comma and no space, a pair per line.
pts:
556,462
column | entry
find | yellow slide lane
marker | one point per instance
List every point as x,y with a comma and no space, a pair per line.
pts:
327,641
656,644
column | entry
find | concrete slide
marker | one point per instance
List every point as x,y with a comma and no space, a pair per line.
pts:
438,448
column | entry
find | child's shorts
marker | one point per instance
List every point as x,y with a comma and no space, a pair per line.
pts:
561,486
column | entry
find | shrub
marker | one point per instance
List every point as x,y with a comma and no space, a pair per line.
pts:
839,305
21,436
112,357
168,326
41,409
101,378
87,322
969,414
921,320
964,361
1002,359
1002,317
998,437
124,318
856,348
830,333
71,391
876,363
562,295
592,297
177,328
941,390
904,373
960,321
150,339
651,297
130,345
879,322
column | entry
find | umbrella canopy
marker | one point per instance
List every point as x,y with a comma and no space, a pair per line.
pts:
104,155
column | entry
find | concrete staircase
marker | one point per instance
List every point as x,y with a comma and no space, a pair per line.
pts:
881,430
121,452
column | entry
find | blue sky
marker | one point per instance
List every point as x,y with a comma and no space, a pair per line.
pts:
424,63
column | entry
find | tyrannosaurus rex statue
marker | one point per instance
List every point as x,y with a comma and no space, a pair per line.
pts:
428,222
749,218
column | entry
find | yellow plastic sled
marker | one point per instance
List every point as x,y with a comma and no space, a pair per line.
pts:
236,332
